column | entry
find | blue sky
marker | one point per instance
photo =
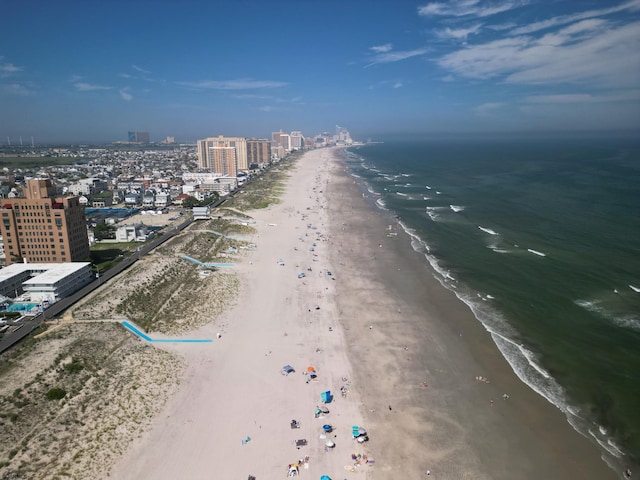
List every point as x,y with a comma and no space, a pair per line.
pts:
91,70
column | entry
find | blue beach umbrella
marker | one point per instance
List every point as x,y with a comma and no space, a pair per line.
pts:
325,477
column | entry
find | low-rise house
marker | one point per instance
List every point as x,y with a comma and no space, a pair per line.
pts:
132,233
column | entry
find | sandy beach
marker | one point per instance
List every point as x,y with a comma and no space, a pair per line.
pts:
371,319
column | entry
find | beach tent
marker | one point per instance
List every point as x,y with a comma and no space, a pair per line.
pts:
326,397
325,477
287,369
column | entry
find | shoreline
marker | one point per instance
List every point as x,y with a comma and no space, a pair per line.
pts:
544,443
368,315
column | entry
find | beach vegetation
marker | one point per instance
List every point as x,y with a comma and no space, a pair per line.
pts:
99,412
74,367
56,393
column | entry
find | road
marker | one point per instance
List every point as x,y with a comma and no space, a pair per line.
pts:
33,323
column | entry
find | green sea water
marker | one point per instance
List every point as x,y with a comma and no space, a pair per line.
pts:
542,240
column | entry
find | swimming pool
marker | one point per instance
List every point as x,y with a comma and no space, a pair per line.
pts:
21,307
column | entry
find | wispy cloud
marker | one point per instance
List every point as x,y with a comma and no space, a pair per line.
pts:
7,69
462,8
387,84
567,98
17,89
566,19
391,56
125,95
486,109
592,52
381,48
141,70
89,87
253,96
238,84
459,33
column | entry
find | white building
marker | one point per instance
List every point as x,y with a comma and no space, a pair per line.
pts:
44,281
163,199
132,233
201,213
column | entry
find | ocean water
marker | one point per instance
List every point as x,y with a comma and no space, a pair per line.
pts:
541,239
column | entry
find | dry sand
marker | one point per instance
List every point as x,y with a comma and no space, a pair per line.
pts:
407,350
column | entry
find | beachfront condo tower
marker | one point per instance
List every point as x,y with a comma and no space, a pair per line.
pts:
214,155
42,226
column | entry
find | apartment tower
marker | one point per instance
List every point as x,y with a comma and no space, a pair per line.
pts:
258,151
43,227
208,152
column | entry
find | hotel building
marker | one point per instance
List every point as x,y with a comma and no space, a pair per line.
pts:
258,152
223,155
43,227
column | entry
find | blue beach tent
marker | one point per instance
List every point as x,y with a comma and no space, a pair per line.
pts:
325,477
326,397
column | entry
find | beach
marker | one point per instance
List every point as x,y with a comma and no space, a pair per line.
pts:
418,371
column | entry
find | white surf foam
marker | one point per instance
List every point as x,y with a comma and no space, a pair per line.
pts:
625,321
522,361
380,204
535,252
456,208
488,230
635,289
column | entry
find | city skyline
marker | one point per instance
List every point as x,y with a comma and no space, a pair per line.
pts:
91,72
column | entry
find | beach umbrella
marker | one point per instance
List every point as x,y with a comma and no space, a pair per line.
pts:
311,369
325,477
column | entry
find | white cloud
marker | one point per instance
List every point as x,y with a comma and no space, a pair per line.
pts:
266,108
567,98
7,69
565,19
398,85
238,84
459,33
139,69
486,109
382,48
251,96
88,87
390,57
585,52
125,95
17,89
461,8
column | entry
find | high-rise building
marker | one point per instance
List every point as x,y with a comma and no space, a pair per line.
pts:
139,137
258,151
43,227
297,141
207,151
